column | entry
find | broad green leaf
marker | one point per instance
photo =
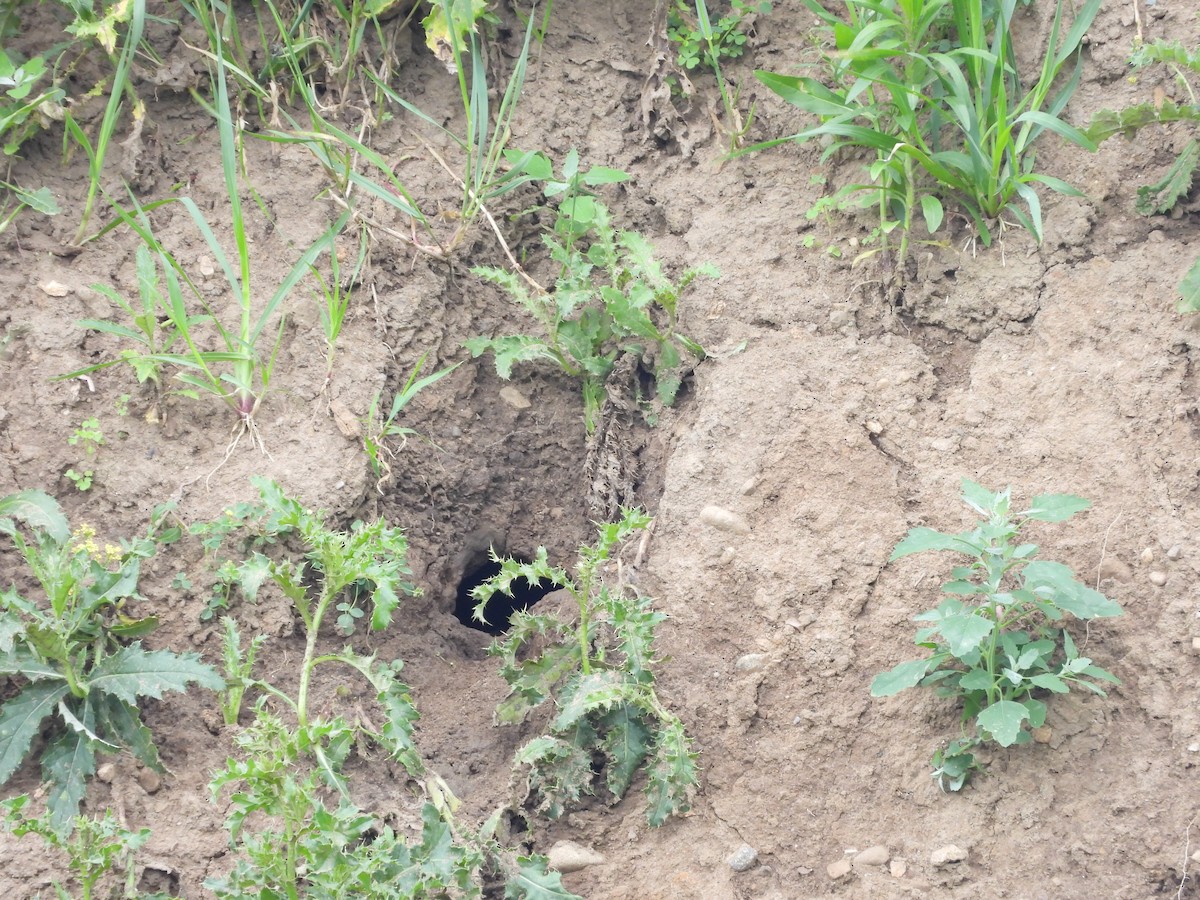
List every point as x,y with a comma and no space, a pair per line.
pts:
1190,289
1037,712
21,719
920,539
533,881
132,672
982,500
67,764
1056,583
1051,683
1056,507
976,680
1002,720
965,632
905,675
931,209
22,661
38,510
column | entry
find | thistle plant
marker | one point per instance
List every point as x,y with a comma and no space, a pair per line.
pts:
597,671
74,651
999,641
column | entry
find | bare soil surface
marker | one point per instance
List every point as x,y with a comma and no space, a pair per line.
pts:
828,418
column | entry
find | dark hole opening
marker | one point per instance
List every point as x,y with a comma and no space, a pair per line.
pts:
501,607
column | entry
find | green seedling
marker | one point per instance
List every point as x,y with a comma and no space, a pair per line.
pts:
365,566
88,436
71,650
700,40
239,668
998,639
23,110
612,299
380,428
485,140
104,29
95,847
1164,195
309,840
596,670
335,296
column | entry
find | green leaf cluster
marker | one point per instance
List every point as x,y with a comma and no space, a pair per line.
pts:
933,89
998,644
726,36
1164,195
611,297
94,846
70,650
298,833
598,671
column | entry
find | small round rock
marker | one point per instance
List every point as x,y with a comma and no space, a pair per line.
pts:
743,858
839,869
1158,578
944,856
873,856
568,856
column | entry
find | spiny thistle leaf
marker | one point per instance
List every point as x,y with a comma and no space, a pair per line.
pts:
596,693
122,720
132,672
626,744
672,775
67,764
39,511
1162,196
533,881
21,719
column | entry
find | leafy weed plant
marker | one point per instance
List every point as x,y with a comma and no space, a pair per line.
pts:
998,639
701,40
932,88
380,428
71,650
597,672
292,822
95,847
1166,194
610,297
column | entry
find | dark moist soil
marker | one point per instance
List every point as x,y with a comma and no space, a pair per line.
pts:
831,417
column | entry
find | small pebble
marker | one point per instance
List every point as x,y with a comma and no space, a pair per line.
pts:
514,398
750,662
942,445
1194,748
150,780
106,773
727,555
1158,578
743,858
724,520
1147,556
839,869
898,868
874,427
873,856
568,856
1196,644
943,856
1042,735
1175,552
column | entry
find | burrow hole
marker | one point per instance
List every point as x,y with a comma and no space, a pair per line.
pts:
501,607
